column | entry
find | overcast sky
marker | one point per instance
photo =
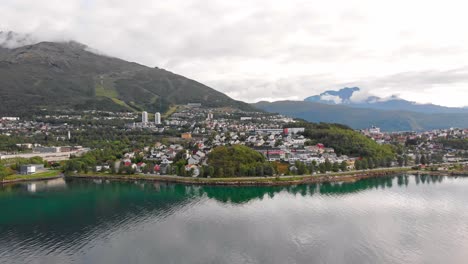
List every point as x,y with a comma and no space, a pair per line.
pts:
273,49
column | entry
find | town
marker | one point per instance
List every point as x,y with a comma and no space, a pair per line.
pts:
180,141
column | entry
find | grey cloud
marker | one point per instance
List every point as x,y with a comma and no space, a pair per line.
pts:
427,78
294,88
257,49
13,40
253,90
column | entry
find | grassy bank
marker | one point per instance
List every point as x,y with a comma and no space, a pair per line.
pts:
37,176
242,181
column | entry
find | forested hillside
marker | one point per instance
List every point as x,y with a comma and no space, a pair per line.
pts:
51,75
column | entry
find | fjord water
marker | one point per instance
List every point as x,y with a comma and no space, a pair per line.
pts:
401,219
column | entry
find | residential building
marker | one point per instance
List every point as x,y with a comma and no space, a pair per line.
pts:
30,168
144,117
157,118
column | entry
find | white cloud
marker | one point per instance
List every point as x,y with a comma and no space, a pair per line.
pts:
271,48
333,98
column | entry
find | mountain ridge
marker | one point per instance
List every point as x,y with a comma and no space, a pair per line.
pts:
57,75
361,118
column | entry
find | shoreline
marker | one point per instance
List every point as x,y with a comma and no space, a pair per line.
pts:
42,176
250,181
247,181
30,180
440,173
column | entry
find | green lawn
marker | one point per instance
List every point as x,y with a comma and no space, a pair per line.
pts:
106,92
45,174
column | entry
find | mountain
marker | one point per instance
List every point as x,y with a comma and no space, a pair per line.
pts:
67,75
334,97
345,97
360,118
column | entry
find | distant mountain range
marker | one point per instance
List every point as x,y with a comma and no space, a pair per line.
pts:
347,96
67,75
360,118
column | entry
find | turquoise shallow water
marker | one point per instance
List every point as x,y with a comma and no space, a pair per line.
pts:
401,219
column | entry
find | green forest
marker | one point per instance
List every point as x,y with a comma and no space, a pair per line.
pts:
239,160
345,141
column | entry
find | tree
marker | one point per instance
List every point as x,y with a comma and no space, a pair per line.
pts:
252,171
179,156
401,161
313,166
388,162
148,168
301,168
243,170
344,166
112,167
417,159
364,164
201,171
175,170
36,160
336,167
220,172
357,164
259,170
4,171
328,165
211,171
322,168
182,171
268,169
278,142
230,172
423,159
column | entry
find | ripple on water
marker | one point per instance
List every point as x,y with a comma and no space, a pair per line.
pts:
388,220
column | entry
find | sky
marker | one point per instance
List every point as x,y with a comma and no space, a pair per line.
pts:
272,49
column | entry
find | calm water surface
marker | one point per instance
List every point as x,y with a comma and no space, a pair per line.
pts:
404,219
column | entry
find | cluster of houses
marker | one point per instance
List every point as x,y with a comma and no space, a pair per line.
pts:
402,137
427,143
161,157
279,147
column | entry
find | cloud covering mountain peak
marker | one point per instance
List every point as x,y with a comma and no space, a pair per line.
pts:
356,97
11,40
342,96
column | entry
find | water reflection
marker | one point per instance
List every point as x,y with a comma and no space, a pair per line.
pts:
89,204
48,185
239,195
69,219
